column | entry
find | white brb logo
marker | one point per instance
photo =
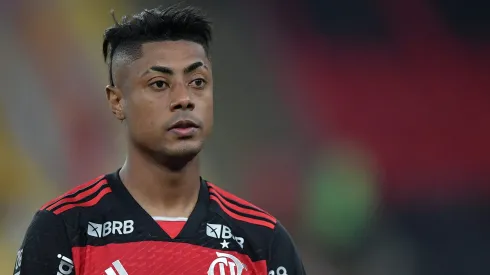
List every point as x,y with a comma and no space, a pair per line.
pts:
219,231
65,267
235,267
111,227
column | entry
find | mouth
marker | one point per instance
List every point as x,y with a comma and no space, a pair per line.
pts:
183,124
184,128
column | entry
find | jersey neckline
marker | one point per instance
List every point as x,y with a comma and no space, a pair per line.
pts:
190,228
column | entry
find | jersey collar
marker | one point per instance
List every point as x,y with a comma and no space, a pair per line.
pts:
193,224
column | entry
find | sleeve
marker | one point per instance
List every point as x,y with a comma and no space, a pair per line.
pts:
46,249
283,255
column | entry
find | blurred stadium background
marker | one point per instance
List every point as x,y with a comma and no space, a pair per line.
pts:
363,125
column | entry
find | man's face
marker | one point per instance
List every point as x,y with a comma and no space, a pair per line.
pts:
166,98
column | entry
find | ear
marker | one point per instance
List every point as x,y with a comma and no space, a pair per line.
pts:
116,101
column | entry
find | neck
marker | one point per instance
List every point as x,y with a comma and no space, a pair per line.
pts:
160,189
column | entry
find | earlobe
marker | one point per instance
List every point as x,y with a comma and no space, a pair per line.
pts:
115,99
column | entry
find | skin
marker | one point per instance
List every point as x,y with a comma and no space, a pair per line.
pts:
170,81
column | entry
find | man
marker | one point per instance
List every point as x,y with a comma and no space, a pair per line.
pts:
156,215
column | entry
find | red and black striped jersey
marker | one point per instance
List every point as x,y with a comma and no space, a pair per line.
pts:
98,228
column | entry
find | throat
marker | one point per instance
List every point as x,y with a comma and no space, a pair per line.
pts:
160,192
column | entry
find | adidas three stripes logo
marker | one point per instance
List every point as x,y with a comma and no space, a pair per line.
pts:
116,269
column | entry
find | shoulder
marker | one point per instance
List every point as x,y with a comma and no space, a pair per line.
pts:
82,196
244,217
240,209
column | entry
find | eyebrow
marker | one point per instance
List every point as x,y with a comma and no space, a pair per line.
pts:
166,70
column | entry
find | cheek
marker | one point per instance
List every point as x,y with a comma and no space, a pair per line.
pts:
207,100
207,103
209,114
152,116
141,113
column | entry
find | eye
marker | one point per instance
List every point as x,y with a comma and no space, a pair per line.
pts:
159,85
198,83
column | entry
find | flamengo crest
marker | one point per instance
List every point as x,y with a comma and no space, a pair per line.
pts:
226,264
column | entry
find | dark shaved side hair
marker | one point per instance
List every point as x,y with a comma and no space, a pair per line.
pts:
123,40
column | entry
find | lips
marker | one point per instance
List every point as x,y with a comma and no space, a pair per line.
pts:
184,128
183,124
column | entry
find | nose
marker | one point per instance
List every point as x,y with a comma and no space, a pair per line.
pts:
180,99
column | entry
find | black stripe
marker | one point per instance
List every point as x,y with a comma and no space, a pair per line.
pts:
74,194
242,214
88,198
239,204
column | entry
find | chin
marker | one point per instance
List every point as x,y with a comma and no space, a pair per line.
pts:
184,149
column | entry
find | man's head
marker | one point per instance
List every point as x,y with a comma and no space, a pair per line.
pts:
161,81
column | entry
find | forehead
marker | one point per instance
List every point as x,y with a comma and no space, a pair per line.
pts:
172,54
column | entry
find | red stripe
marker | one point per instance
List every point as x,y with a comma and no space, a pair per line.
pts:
232,197
241,218
91,202
73,191
80,196
235,198
241,209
